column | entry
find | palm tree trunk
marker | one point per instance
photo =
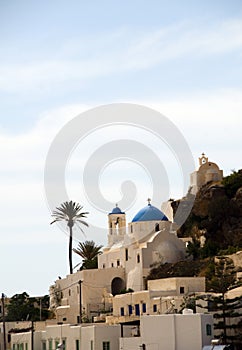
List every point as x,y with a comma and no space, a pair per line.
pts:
70,251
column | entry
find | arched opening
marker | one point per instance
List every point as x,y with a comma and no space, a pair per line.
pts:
157,227
117,285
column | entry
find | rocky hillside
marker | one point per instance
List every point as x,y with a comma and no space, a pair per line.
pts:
215,225
216,215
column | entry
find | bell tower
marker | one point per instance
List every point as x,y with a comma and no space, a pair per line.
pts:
203,159
116,225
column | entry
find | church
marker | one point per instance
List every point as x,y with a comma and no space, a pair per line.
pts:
207,172
149,239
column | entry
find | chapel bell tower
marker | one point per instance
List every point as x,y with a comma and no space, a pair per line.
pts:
116,225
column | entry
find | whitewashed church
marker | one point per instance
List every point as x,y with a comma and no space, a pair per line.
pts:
150,238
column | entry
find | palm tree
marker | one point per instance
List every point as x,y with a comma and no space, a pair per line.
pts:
71,212
89,251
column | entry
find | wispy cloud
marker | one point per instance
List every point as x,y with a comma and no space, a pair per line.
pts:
124,50
22,199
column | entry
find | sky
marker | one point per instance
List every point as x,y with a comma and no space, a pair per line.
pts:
59,59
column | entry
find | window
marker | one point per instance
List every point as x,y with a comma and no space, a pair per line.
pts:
131,229
126,254
137,312
157,228
208,329
77,344
143,307
50,344
138,258
118,262
26,346
43,345
154,308
212,306
92,347
122,311
106,345
69,292
130,309
112,265
56,343
182,290
103,266
14,347
64,344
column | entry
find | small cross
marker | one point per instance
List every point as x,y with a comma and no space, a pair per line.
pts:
116,205
148,200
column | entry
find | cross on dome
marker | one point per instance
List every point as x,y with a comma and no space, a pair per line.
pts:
148,200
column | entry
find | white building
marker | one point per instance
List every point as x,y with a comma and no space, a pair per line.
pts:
164,296
161,332
86,292
171,332
71,337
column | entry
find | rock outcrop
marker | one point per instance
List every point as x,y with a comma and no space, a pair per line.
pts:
216,213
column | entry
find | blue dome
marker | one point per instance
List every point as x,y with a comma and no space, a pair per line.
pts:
116,210
150,213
